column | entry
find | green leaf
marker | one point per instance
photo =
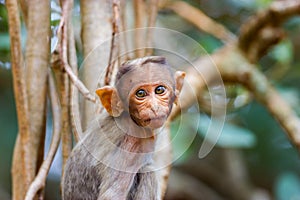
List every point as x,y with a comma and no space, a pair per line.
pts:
263,3
232,136
283,52
287,187
4,41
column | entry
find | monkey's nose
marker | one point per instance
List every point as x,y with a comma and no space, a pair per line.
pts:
155,108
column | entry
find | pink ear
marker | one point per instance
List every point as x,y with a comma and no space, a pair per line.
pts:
179,79
110,100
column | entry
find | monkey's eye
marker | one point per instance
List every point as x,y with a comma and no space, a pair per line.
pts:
160,89
140,93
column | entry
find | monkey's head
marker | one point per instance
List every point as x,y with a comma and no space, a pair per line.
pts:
146,89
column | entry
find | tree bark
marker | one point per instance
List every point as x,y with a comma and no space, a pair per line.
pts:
95,34
37,60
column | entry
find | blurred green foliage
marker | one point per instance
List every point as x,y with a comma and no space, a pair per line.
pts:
287,186
271,160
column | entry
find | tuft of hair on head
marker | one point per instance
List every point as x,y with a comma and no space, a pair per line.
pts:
139,62
154,59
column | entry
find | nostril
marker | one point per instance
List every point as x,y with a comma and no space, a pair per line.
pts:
152,109
155,109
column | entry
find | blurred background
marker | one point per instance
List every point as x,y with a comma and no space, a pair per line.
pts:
253,158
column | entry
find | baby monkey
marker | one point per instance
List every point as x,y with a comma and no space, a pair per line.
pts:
115,159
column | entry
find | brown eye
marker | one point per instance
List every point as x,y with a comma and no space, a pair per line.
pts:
160,89
140,93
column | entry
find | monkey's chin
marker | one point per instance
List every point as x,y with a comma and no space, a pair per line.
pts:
154,123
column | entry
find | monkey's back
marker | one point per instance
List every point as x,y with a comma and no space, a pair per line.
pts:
81,178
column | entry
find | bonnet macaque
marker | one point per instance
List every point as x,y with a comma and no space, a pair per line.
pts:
114,160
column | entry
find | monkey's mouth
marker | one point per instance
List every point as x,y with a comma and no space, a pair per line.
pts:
155,122
159,118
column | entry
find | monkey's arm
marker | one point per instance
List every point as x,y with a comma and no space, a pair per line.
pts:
116,186
118,179
148,187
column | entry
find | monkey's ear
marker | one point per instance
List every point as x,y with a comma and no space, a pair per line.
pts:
110,100
179,79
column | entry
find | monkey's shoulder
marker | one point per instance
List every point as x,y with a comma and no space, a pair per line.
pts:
100,139
102,124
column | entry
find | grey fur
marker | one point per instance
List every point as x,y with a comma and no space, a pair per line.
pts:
111,162
87,177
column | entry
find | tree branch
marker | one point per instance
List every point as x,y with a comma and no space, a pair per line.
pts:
64,80
40,180
202,21
152,14
236,66
64,59
74,100
18,169
24,8
123,28
139,17
247,74
37,61
263,30
115,44
96,28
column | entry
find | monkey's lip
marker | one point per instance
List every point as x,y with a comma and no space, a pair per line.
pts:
155,118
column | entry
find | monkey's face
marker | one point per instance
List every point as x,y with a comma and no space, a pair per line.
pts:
146,88
151,104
